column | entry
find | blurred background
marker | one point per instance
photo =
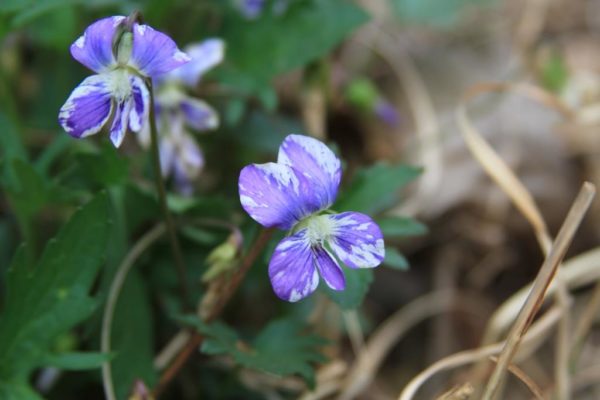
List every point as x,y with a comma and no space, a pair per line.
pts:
381,81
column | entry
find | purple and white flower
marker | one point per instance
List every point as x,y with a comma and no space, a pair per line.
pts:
294,194
122,61
176,111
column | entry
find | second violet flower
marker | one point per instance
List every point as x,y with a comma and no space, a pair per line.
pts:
295,194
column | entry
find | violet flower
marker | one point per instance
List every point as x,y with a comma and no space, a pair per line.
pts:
122,61
176,111
294,194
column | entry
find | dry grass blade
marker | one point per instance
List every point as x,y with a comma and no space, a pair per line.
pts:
531,341
388,334
584,325
540,285
576,272
526,379
495,166
462,392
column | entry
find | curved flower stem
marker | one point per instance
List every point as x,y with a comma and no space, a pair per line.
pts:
111,302
162,195
215,310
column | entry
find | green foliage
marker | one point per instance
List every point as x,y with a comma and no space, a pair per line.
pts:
400,227
132,337
358,282
50,299
280,348
395,260
554,73
105,167
283,40
438,13
375,188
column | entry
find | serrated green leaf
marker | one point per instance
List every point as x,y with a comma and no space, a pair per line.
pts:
52,298
280,348
375,188
400,227
76,361
394,259
358,282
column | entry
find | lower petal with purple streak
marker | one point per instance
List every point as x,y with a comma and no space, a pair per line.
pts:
88,108
120,122
292,270
329,269
357,240
141,104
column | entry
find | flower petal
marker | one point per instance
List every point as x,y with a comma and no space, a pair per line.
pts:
357,240
190,156
272,194
204,56
317,163
199,115
141,104
292,270
155,53
94,48
166,150
120,121
88,107
329,269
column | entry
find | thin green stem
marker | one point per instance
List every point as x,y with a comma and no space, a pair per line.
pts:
162,196
113,296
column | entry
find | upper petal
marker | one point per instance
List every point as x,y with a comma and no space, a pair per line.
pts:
357,240
88,107
141,104
204,56
199,115
292,268
316,162
94,48
273,194
167,156
154,53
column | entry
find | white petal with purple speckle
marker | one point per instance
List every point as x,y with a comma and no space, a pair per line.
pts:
272,194
317,163
357,240
292,269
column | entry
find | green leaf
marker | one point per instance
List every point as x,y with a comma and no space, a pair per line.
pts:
401,227
44,302
375,188
132,337
358,282
106,167
280,348
17,391
254,42
31,191
76,361
395,260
